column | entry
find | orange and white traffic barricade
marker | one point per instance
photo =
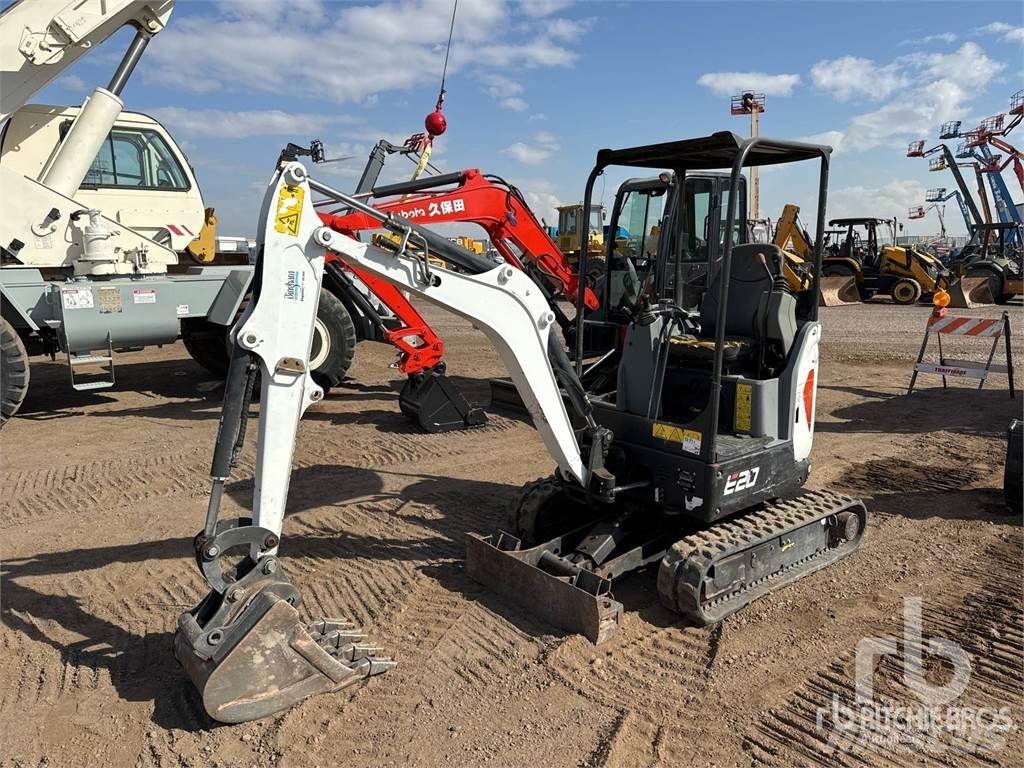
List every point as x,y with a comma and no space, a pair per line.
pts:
942,324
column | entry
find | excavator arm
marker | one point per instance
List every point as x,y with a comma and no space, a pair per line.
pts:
496,206
244,646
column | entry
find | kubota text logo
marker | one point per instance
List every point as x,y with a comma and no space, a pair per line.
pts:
739,480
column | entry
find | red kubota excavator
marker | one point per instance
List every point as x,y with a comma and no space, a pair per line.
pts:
383,313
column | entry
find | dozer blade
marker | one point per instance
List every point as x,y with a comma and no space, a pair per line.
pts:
262,659
968,292
549,586
838,292
432,401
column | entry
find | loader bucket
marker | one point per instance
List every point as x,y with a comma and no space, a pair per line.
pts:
968,292
838,292
266,660
432,401
550,587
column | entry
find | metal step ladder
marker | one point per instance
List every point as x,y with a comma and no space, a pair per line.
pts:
76,360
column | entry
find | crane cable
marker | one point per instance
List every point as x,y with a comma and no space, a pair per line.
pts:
435,122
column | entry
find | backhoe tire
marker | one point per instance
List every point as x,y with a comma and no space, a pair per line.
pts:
905,291
14,371
334,342
207,344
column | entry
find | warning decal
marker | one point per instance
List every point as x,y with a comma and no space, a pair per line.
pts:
689,439
742,417
289,211
77,298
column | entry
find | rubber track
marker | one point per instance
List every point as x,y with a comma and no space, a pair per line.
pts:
692,556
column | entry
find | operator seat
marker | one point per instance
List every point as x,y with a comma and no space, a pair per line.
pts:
754,315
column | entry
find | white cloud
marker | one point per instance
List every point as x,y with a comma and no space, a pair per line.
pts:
924,90
543,147
888,200
729,83
540,8
360,50
944,37
224,124
1008,32
832,139
71,83
853,76
507,92
542,197
968,66
567,29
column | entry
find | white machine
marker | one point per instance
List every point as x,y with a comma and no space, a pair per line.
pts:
76,277
693,457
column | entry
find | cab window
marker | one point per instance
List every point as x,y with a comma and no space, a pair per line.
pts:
136,158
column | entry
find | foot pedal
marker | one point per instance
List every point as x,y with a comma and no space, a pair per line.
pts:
432,401
549,586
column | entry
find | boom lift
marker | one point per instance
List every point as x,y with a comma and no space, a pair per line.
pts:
992,253
694,459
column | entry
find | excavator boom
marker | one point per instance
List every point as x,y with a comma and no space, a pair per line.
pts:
244,646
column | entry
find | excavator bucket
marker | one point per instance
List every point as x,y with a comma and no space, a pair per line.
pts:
432,401
551,587
249,655
968,292
838,292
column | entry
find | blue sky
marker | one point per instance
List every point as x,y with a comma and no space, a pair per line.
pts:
536,87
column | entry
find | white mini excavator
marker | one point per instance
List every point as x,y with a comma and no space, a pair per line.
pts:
688,452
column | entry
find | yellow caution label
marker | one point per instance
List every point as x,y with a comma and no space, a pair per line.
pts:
667,432
289,211
741,420
689,439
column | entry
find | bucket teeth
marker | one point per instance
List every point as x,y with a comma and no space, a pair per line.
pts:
266,660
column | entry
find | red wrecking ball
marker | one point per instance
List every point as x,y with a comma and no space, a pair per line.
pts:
436,124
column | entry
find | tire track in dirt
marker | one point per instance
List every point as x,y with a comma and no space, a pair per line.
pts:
36,495
926,467
650,673
448,649
987,625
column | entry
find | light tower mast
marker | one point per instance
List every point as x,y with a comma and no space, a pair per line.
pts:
750,103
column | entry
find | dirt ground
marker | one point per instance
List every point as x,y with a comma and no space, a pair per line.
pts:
102,493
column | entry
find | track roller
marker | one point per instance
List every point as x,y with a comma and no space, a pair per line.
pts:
712,574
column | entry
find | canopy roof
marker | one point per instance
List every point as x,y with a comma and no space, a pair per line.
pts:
718,150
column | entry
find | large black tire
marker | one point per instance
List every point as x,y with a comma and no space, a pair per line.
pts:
207,343
14,371
334,341
905,291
